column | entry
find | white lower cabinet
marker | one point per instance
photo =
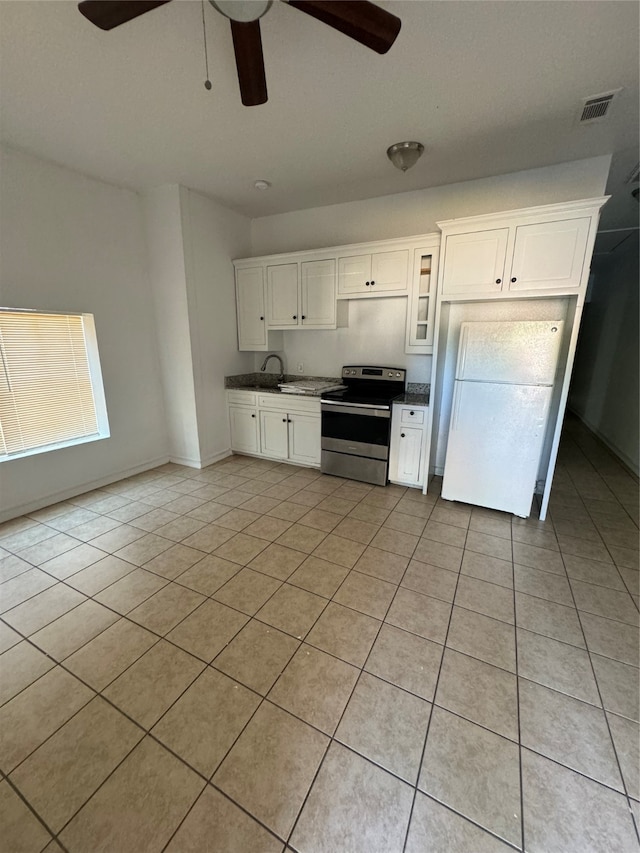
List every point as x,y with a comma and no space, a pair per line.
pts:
275,427
304,439
244,428
274,440
290,436
408,430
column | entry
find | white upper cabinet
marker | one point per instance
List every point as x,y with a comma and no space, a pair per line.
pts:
474,262
525,251
252,327
373,274
318,293
301,294
549,255
282,295
422,299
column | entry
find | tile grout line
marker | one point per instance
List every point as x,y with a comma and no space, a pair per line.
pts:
435,693
606,546
148,732
19,794
210,664
332,736
515,642
606,719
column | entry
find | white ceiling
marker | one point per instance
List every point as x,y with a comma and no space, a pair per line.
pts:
487,87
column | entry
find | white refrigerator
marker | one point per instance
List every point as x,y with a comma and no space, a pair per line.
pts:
504,380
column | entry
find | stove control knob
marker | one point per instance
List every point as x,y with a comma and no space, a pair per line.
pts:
397,374
390,373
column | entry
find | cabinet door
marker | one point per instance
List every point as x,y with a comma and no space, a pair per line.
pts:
304,439
282,296
389,271
422,302
273,434
252,327
318,291
474,262
354,274
408,450
549,255
244,429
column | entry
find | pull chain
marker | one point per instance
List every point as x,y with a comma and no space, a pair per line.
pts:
207,82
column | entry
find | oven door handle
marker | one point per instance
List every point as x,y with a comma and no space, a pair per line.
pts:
366,409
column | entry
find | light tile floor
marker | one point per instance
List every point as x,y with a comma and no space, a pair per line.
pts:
255,657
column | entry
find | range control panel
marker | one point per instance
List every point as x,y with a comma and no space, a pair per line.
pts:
388,374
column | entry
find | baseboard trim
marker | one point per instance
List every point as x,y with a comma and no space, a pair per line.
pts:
80,489
620,455
200,463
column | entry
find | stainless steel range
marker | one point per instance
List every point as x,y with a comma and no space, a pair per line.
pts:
356,423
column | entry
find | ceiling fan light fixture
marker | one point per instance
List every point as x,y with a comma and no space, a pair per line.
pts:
262,185
242,11
404,155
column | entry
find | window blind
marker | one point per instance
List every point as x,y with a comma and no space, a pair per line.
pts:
46,390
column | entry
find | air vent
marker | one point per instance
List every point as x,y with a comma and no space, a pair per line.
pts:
596,107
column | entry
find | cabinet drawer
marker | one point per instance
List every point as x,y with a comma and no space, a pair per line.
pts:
241,398
289,403
412,416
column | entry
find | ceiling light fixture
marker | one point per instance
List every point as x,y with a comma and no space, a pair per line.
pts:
262,185
242,11
404,155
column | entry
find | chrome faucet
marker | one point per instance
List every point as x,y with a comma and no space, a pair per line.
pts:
264,365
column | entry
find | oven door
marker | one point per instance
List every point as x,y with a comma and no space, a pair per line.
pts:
357,429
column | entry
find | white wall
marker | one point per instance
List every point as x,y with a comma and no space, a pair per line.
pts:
366,340
70,243
604,389
171,310
405,214
376,330
212,235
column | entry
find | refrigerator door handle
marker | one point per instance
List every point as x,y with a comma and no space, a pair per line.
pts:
454,411
462,351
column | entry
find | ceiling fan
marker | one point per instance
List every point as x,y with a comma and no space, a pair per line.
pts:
365,22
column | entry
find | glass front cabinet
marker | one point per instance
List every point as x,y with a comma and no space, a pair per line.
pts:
422,299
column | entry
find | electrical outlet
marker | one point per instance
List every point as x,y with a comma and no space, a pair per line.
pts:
300,367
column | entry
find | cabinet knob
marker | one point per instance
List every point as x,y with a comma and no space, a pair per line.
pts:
253,416
402,435
513,280
303,317
295,316
289,421
284,420
372,283
498,281
412,413
367,283
262,318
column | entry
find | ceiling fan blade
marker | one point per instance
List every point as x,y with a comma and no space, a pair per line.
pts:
108,14
360,20
247,45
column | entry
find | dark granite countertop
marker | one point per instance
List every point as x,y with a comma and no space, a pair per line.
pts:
268,382
417,394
